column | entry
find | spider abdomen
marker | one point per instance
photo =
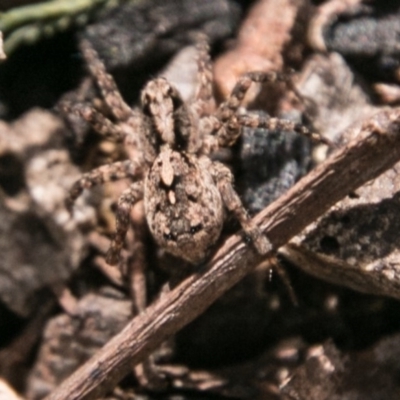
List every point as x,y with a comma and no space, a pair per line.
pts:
183,206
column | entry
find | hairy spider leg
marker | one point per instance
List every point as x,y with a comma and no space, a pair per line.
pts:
98,176
129,197
204,101
120,110
253,120
227,111
224,179
99,122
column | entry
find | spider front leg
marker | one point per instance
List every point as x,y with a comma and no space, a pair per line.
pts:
253,120
227,111
224,180
96,119
98,176
105,82
129,197
204,102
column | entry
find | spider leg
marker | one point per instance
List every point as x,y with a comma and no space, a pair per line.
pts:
253,120
204,102
129,130
230,106
98,176
227,111
130,196
96,119
273,264
224,180
106,83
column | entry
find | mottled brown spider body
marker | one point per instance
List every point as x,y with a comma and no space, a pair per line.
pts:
185,192
183,207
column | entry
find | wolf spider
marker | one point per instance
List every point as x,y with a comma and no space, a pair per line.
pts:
185,192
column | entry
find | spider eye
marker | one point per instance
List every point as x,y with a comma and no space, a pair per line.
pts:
176,100
146,107
196,228
175,97
168,236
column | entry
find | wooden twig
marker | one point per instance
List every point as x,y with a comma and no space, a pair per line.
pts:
376,149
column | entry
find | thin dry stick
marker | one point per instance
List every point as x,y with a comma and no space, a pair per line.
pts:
376,149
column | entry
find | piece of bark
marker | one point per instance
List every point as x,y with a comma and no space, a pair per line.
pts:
265,34
334,97
268,164
331,374
356,244
388,93
367,36
70,340
6,392
15,356
146,32
40,244
376,150
2,54
323,16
